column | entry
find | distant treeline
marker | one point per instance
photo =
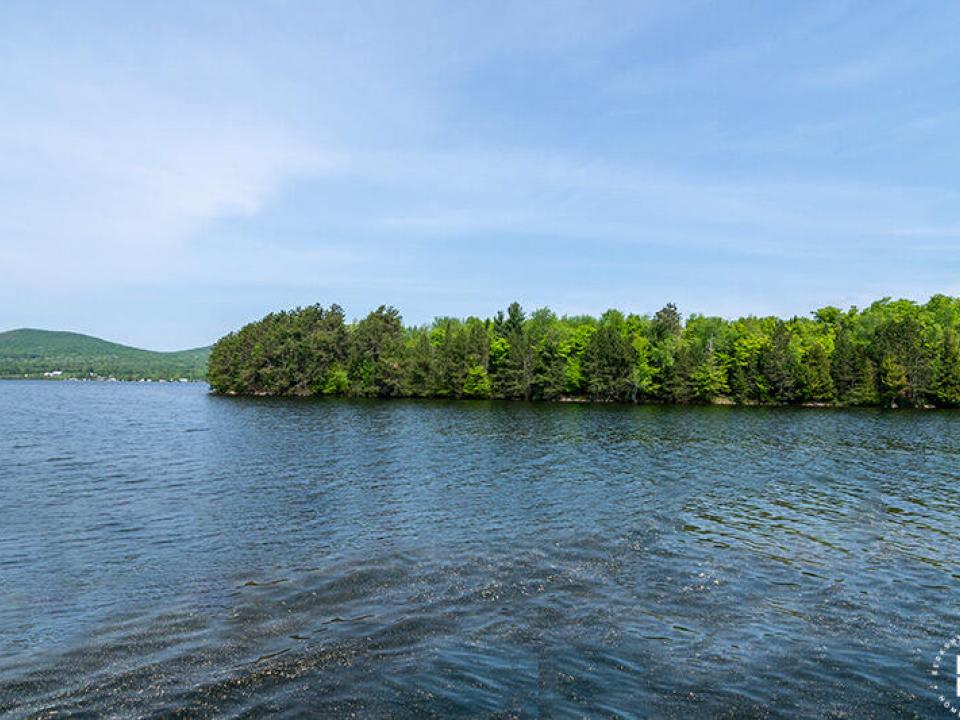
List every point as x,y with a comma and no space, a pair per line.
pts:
893,353
33,353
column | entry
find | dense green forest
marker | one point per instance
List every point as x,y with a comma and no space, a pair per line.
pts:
893,353
32,353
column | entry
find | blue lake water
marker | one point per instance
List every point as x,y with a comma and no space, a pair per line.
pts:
163,550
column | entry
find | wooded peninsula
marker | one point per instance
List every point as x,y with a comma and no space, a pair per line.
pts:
892,354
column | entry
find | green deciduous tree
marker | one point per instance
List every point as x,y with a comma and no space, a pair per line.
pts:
891,353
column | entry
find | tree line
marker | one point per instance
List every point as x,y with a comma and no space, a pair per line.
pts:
893,353
32,353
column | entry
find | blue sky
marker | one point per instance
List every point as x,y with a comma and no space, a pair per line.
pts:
173,170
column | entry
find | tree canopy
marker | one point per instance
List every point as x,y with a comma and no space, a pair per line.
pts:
893,353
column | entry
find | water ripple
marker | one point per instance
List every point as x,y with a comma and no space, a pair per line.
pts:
167,552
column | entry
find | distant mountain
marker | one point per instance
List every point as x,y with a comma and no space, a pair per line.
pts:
40,353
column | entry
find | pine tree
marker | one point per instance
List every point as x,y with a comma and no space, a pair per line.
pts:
948,372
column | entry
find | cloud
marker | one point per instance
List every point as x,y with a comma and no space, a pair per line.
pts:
450,194
114,176
847,74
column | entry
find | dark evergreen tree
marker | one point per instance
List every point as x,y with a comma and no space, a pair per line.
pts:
608,365
947,381
549,371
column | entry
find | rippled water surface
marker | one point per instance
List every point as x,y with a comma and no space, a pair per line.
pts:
163,550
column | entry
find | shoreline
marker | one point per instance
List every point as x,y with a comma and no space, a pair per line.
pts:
158,381
717,402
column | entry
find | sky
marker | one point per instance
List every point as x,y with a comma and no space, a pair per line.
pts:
171,171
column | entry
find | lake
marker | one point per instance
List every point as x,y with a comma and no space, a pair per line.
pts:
163,550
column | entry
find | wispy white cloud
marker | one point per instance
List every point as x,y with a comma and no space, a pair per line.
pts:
848,73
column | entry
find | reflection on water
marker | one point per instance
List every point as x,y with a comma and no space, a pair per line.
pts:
162,549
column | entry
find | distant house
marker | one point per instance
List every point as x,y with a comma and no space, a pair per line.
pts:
53,373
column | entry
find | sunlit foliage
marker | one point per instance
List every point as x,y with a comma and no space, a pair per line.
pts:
893,353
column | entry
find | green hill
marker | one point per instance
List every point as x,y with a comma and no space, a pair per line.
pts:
31,353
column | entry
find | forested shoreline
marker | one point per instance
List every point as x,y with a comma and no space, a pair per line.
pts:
892,354
33,353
